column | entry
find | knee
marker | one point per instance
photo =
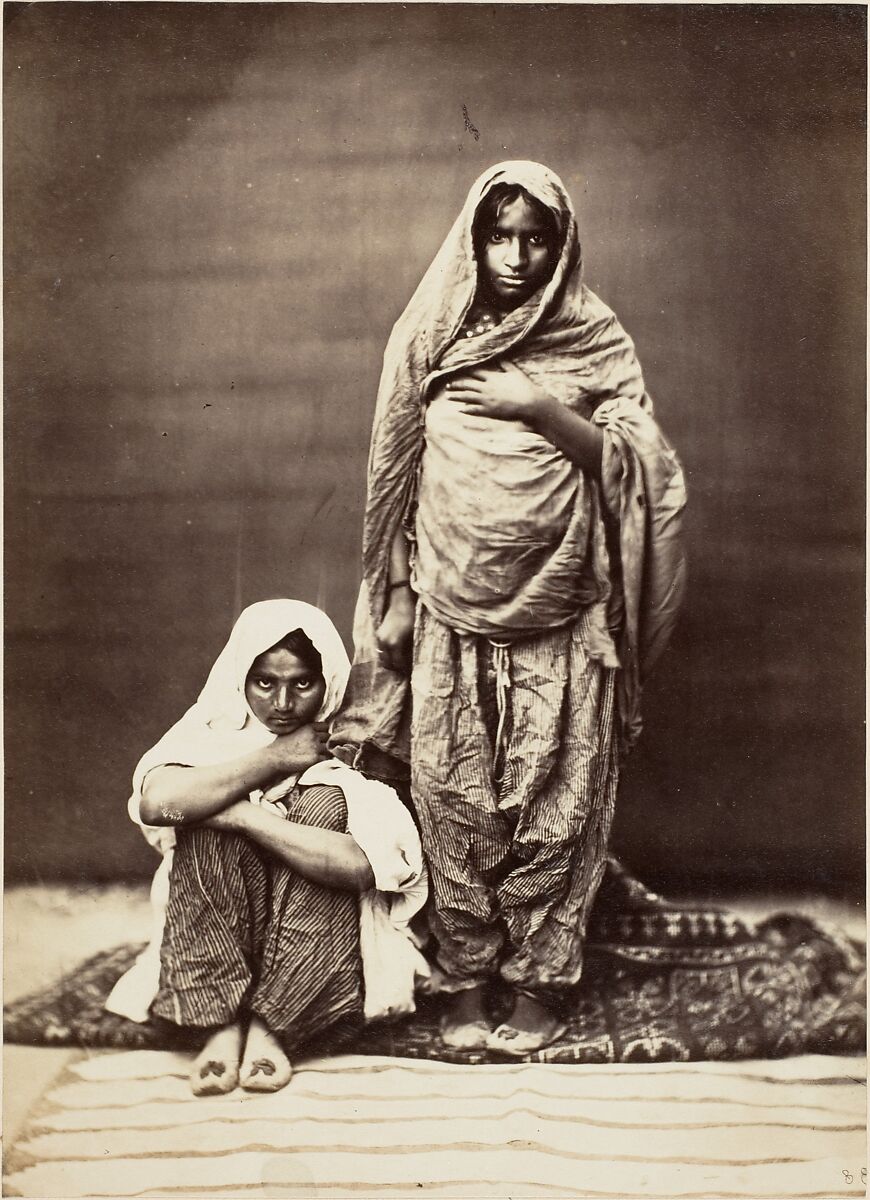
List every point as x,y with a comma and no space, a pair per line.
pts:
210,848
203,835
323,807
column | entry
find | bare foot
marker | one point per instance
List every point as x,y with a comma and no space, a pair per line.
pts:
530,1016
530,1027
265,1066
465,1025
216,1070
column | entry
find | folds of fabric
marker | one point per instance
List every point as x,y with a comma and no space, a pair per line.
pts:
568,341
644,495
508,535
244,929
385,832
220,727
516,833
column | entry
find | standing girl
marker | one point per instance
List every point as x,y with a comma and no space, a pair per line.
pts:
522,560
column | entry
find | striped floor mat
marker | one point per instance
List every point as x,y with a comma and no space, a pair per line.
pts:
126,1125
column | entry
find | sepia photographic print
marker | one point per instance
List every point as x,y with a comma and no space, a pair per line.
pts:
434,600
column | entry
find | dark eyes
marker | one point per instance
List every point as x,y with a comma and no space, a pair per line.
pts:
301,685
534,239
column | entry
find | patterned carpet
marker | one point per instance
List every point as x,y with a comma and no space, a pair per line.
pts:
663,982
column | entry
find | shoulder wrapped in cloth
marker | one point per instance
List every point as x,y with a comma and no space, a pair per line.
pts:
220,727
568,341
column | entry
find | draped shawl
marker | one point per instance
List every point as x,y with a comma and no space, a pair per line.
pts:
571,344
220,727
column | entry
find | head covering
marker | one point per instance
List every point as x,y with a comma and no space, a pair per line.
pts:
571,344
258,629
446,291
220,725
563,336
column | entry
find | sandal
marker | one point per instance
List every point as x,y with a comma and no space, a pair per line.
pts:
519,1042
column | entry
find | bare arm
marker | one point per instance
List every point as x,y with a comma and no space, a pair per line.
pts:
396,630
400,563
506,393
174,795
321,855
578,439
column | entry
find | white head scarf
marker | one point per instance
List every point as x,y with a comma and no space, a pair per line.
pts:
220,725
258,629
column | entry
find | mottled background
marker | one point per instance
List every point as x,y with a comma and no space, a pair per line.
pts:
213,215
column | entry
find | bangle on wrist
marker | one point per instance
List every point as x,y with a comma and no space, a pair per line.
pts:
398,584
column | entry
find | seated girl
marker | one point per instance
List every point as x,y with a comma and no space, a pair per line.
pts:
288,880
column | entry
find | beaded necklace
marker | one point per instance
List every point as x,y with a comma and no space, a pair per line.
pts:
480,319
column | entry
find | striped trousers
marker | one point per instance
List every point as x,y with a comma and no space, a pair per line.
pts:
514,776
245,934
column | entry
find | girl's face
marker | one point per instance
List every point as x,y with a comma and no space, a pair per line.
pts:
517,256
282,692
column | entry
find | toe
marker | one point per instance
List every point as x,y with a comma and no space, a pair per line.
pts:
266,1075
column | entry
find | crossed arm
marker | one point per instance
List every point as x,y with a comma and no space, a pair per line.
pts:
216,796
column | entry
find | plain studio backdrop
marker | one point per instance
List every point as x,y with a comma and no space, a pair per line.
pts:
215,213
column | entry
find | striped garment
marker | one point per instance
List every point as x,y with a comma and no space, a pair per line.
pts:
514,777
245,933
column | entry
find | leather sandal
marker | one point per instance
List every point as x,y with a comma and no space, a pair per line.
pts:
520,1042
